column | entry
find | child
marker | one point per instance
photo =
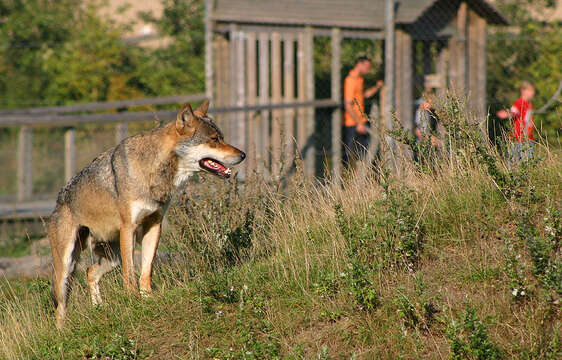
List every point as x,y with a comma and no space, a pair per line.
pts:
523,124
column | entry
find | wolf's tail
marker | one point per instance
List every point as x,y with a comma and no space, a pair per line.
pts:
63,236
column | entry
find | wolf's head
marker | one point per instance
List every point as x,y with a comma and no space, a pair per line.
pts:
200,144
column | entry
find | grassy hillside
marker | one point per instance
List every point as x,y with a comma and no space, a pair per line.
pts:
458,258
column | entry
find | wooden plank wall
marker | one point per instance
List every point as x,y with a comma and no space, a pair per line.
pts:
263,147
252,94
269,65
457,52
69,154
261,69
276,97
309,156
336,96
404,78
24,173
302,95
288,97
477,63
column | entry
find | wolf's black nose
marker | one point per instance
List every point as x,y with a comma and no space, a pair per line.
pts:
242,155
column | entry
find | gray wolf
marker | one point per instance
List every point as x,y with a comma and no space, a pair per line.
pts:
124,193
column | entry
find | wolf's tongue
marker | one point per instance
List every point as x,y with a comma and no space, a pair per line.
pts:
214,165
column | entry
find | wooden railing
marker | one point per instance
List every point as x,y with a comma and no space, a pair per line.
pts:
75,115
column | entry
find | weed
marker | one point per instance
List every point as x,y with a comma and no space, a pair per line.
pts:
469,339
119,348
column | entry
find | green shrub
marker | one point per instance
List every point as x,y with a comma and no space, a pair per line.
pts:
469,339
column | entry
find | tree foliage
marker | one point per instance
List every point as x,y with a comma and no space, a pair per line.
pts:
61,51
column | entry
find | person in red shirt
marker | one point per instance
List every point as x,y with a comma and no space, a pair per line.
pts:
521,114
355,134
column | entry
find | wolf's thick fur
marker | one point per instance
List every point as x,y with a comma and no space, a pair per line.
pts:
126,191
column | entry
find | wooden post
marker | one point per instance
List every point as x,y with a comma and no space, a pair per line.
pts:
263,138
462,44
209,79
221,71
336,96
389,75
121,132
301,86
477,63
276,97
240,139
69,154
289,96
252,100
225,80
404,79
309,162
25,159
231,128
442,71
457,46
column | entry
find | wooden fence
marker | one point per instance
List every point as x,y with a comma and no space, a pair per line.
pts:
26,204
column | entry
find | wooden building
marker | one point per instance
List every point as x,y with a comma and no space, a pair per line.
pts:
261,52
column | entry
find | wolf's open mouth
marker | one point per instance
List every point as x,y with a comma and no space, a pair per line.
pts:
215,167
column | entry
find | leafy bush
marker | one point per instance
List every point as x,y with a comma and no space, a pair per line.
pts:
119,348
469,339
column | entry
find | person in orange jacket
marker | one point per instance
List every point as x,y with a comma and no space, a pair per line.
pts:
354,132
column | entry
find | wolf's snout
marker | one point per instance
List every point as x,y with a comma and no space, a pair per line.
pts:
242,156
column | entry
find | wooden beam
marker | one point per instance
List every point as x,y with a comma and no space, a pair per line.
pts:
317,31
209,77
240,139
75,120
404,79
389,75
276,95
251,56
230,127
162,100
336,96
289,96
441,70
301,86
121,131
310,153
25,159
227,77
477,64
220,72
264,73
461,53
69,154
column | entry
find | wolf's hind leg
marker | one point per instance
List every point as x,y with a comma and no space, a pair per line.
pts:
66,252
108,259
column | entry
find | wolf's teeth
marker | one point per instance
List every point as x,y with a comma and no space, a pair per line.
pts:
228,171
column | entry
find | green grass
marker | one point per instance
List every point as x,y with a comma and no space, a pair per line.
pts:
422,265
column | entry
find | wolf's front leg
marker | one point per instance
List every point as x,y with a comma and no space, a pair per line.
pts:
149,245
127,243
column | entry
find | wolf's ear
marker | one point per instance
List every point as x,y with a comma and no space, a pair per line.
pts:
185,121
202,109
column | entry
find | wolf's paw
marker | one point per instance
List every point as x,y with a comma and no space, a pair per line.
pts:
145,293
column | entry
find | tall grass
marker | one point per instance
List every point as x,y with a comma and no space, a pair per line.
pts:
429,261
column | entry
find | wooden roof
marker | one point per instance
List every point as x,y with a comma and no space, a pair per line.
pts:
353,14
